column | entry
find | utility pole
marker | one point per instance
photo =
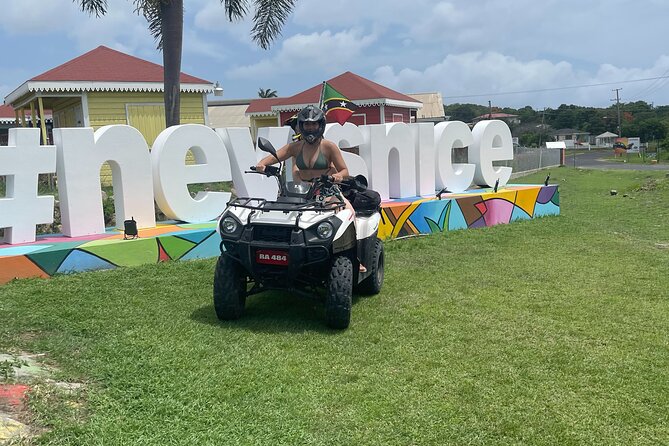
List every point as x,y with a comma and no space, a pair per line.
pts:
541,130
489,110
617,99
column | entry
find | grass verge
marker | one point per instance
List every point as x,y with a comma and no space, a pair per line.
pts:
551,331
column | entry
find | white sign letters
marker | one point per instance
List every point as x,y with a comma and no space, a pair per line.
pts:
21,161
400,161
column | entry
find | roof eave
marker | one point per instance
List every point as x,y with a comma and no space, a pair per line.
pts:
291,107
81,86
17,93
358,102
396,103
261,114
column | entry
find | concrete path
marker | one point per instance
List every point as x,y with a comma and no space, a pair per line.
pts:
599,159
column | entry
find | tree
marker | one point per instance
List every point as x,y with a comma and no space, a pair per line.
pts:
648,130
266,93
464,112
165,19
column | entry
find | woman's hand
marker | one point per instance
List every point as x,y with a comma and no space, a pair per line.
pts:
260,167
337,177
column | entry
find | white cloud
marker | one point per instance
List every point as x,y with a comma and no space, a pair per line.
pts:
453,46
317,51
317,14
42,16
210,16
193,43
120,29
491,76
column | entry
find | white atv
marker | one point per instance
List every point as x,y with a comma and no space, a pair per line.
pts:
305,242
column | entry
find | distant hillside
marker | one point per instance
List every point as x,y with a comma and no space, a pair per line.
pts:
637,119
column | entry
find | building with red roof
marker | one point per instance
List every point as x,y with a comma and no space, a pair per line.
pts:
509,118
105,86
376,103
10,118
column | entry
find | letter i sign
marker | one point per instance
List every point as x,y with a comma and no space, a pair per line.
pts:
21,161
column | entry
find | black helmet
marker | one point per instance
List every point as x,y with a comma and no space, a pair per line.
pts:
311,114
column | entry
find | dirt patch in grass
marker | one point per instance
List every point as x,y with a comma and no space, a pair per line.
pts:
30,401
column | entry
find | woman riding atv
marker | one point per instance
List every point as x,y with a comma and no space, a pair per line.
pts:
312,155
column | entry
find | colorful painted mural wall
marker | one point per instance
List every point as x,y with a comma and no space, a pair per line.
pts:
472,209
64,255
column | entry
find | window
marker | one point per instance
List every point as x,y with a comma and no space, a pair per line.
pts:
358,119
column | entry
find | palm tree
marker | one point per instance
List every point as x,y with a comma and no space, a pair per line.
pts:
266,93
165,18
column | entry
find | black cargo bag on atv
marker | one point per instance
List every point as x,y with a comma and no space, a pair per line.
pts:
364,201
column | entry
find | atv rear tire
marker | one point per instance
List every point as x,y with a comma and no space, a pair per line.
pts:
339,293
373,283
229,289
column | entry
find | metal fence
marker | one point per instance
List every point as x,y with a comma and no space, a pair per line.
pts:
525,159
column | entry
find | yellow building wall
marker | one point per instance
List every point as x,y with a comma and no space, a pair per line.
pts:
149,119
257,123
106,108
144,111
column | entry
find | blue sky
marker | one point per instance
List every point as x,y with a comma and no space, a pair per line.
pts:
513,53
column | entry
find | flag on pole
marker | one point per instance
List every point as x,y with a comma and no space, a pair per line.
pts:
335,105
292,123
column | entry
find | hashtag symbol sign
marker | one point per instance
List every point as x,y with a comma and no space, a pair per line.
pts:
21,161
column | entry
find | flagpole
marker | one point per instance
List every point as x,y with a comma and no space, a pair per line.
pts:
320,101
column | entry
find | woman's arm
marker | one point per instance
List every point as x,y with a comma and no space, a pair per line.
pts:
283,154
337,159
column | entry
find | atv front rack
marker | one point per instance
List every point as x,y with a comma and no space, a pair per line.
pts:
286,204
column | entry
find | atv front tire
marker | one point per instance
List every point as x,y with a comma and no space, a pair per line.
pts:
229,289
339,293
373,283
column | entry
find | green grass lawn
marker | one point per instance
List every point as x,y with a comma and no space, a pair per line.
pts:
550,331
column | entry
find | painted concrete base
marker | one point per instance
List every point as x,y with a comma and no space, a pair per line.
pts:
62,255
475,208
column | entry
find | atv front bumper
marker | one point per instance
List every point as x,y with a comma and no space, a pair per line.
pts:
307,257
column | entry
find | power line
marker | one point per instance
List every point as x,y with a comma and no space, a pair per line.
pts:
653,86
556,88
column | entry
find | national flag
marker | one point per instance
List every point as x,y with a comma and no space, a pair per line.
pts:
291,122
335,105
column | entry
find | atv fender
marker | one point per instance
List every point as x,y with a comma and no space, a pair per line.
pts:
346,241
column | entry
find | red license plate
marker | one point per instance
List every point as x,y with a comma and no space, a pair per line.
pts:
272,257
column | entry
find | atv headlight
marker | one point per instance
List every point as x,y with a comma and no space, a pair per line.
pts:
229,225
325,230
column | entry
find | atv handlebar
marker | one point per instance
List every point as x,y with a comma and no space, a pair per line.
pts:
321,186
270,171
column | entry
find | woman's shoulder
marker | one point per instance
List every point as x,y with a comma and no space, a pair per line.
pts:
294,147
329,145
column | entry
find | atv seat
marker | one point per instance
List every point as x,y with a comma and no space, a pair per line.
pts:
281,202
291,200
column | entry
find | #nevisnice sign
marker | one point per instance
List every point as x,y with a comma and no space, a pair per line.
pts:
400,161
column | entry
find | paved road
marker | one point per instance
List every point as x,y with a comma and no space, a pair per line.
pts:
598,159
